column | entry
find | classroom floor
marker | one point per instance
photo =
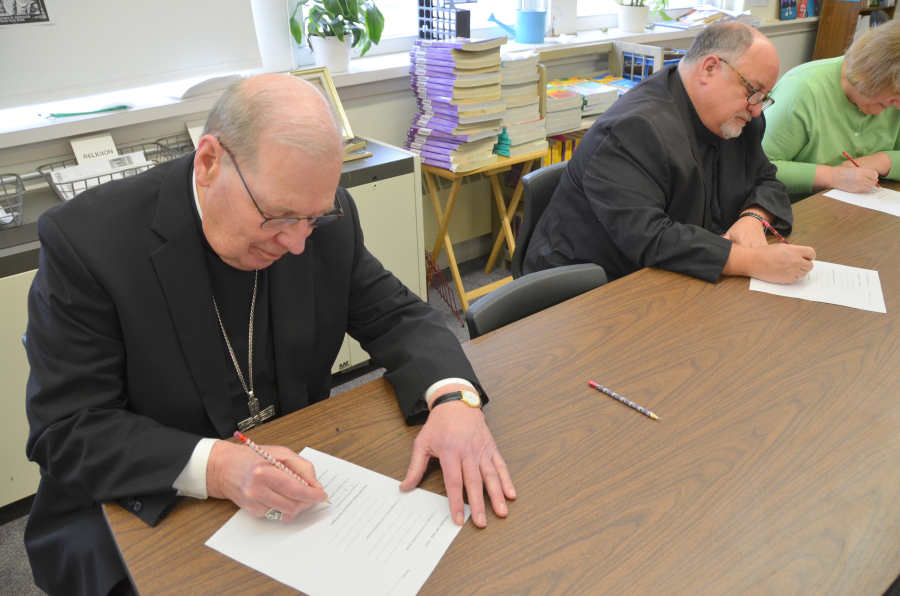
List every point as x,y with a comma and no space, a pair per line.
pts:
15,572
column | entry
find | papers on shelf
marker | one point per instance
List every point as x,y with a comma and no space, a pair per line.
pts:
877,199
372,539
75,179
833,284
5,218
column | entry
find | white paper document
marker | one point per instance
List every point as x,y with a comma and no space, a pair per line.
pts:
372,539
833,284
878,199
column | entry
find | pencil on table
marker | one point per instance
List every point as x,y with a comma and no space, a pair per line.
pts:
627,402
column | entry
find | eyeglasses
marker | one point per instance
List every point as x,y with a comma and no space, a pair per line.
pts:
756,96
277,223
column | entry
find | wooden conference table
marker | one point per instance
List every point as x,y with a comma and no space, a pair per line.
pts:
775,468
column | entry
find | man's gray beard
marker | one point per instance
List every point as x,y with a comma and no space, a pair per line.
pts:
734,127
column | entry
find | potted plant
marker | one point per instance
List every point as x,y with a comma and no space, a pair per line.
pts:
633,14
332,27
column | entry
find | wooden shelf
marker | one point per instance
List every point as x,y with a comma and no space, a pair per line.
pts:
863,9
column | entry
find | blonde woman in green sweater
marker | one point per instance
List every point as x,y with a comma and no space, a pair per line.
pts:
850,103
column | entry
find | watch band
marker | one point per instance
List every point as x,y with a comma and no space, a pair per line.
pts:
452,396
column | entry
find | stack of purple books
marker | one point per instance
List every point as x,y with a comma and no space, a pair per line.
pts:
457,87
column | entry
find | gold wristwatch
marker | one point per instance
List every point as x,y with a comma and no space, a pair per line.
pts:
470,398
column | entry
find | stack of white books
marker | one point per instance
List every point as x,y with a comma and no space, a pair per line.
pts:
563,110
522,129
596,97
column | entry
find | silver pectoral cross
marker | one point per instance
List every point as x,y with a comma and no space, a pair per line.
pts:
256,417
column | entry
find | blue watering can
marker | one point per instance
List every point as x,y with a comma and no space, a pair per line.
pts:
530,23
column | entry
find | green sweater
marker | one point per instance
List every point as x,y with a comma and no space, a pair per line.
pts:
812,121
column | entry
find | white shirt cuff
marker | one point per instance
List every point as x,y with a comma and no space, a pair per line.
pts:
430,391
192,480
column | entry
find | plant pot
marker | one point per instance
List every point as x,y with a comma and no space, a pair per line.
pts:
331,53
633,18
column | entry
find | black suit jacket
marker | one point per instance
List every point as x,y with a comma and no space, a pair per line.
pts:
127,370
635,192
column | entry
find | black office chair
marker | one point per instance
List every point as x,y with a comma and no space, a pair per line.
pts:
530,294
878,17
538,187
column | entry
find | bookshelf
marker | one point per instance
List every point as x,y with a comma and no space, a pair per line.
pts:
865,9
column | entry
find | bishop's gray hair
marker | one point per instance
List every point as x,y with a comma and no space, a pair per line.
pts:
243,117
724,40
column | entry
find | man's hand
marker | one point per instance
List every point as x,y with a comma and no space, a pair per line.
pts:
784,263
457,435
240,475
776,263
747,231
852,179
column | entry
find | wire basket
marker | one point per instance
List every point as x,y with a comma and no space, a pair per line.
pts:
11,193
180,143
69,189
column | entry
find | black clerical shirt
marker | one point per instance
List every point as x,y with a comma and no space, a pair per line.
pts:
233,291
650,185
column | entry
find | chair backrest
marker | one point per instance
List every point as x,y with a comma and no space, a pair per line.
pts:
837,26
538,187
878,17
530,294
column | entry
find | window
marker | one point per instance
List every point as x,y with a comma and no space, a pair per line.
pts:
589,8
401,18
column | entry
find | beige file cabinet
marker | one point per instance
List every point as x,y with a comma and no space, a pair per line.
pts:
388,195
18,477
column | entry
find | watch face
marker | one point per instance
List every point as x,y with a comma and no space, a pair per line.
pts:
471,398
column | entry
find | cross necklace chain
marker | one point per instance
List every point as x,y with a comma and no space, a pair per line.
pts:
256,417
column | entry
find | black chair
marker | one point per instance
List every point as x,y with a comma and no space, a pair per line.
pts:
538,187
530,294
878,17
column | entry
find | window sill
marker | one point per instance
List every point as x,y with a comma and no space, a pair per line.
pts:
22,126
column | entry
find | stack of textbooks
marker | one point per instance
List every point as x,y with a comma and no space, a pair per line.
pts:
457,87
620,83
596,97
563,110
522,129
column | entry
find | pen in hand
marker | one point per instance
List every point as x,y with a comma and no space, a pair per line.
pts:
269,458
769,227
853,161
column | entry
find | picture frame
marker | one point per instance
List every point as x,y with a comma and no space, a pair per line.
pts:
321,80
